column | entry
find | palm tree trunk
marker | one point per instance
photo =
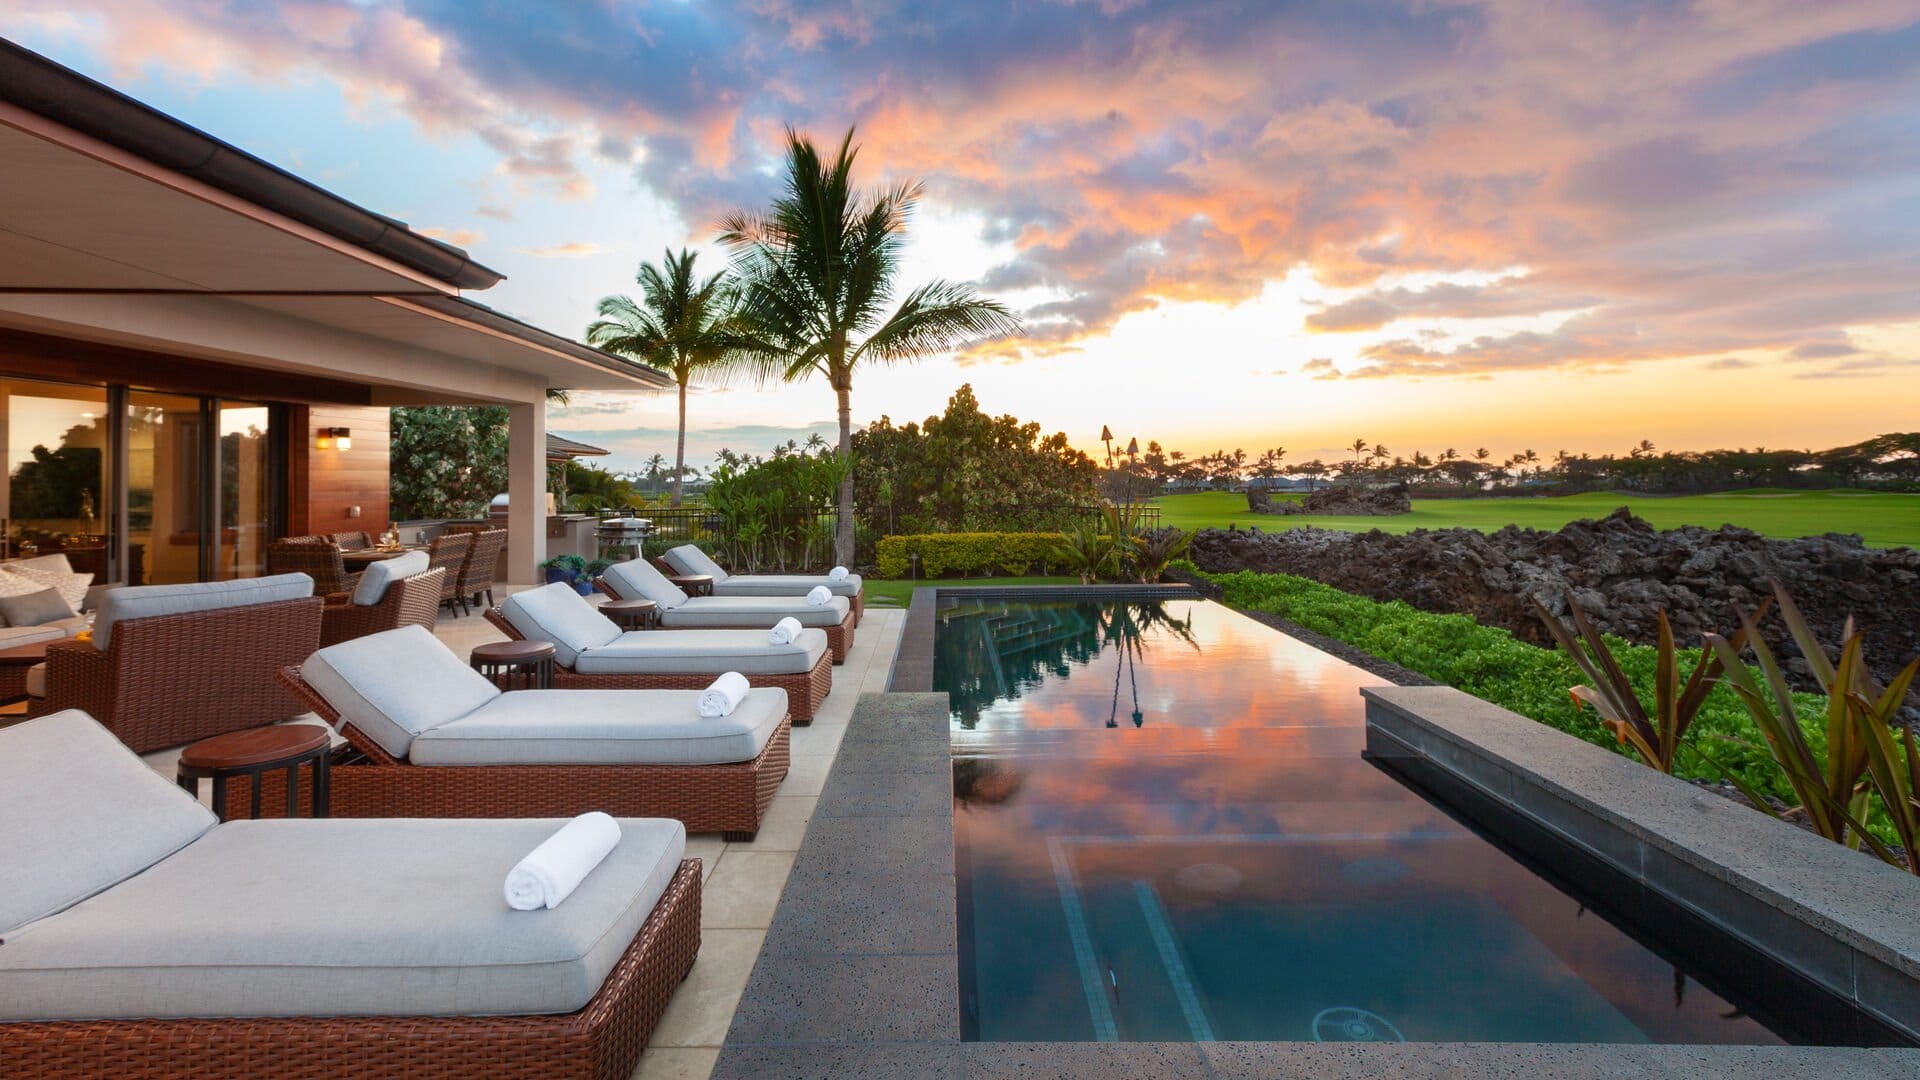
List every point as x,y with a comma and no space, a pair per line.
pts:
843,529
680,452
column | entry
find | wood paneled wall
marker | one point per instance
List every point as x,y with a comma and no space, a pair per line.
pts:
323,484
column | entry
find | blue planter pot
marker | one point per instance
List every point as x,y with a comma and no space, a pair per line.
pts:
585,586
555,573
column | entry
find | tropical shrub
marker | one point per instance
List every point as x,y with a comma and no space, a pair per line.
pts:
447,461
776,513
967,554
965,471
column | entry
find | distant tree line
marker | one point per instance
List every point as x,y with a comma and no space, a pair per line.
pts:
1890,462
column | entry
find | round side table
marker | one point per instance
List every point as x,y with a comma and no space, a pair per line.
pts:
254,752
515,665
632,614
693,584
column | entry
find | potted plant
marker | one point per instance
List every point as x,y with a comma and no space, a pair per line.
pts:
571,569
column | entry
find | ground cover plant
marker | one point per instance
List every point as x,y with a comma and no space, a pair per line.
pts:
1493,665
1884,519
883,592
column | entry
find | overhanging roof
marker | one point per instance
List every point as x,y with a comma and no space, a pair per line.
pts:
108,206
561,448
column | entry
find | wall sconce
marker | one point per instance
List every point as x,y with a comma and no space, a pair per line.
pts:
334,438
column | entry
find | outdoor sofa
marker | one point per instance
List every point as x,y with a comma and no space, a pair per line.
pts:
392,593
143,939
431,737
22,577
591,652
636,579
690,559
170,664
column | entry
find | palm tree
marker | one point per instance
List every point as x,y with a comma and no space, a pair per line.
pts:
684,326
818,269
656,468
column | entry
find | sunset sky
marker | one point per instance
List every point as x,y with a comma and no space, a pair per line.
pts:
1509,223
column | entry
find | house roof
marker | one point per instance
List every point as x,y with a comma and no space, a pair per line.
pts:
561,448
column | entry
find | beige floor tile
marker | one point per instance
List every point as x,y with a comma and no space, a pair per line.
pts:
707,847
702,1007
785,825
744,888
807,775
820,738
677,1063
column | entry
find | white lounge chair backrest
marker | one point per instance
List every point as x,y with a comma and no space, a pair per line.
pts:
142,601
561,617
636,579
375,579
82,813
689,559
396,684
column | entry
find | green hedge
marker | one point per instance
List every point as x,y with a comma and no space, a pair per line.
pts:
1493,665
967,554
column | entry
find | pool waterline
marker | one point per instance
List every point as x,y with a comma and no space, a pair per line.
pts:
1166,831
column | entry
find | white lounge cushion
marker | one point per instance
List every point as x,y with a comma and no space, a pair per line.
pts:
689,559
82,813
27,635
754,611
143,601
636,579
340,917
396,684
624,727
561,617
784,585
703,652
375,579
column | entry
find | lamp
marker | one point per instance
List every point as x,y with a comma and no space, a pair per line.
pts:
334,438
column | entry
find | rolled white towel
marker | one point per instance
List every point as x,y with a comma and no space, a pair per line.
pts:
784,631
551,872
838,573
724,696
819,596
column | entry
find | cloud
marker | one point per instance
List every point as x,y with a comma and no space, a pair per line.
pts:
463,238
572,249
1679,180
1321,368
1730,363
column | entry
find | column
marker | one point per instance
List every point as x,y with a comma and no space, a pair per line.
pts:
526,490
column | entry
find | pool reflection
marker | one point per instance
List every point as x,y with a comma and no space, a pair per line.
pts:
1166,830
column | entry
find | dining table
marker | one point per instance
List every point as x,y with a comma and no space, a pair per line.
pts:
362,558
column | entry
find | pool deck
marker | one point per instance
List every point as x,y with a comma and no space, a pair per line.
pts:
858,971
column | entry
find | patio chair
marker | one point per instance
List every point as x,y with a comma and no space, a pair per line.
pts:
318,557
590,652
635,579
169,664
689,559
352,541
402,591
483,559
449,552
181,947
433,738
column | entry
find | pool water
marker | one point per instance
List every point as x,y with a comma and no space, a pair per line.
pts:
1166,831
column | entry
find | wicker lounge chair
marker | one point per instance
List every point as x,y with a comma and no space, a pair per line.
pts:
392,593
315,556
636,579
449,552
182,947
169,664
590,652
432,738
689,559
352,541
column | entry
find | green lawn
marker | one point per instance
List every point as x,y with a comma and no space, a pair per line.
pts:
897,593
1885,519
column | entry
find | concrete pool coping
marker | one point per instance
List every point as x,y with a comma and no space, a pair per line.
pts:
859,975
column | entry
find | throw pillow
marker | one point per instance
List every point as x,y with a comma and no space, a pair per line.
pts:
35,609
71,586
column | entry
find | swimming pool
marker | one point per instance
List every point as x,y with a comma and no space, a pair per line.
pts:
1165,830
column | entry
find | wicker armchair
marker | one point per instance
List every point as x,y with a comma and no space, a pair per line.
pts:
477,573
165,680
414,600
449,553
352,541
315,556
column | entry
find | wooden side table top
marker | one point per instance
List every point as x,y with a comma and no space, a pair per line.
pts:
256,746
511,652
33,652
695,584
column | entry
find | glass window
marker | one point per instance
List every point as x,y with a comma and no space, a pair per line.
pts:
165,486
246,468
54,438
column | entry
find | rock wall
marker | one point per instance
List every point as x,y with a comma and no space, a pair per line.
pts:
1341,501
1620,568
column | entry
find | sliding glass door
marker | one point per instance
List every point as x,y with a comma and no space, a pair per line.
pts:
166,487
54,440
248,465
